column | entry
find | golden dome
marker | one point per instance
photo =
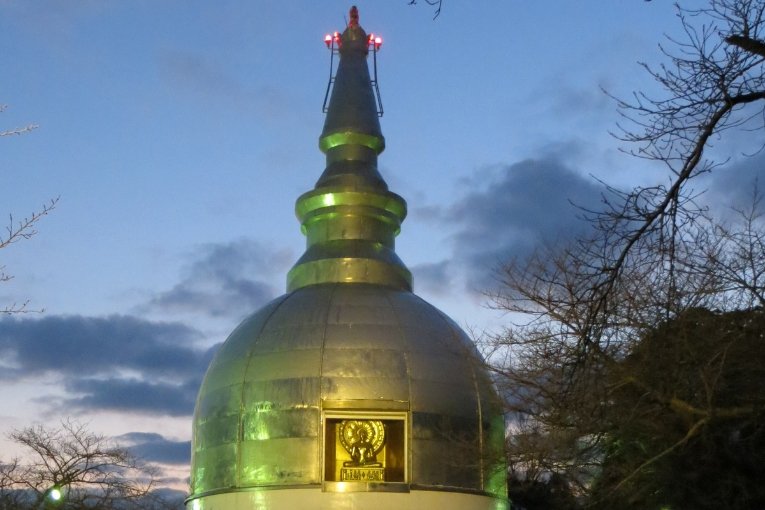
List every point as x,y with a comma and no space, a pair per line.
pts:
338,348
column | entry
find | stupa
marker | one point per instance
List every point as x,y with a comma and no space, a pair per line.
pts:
349,391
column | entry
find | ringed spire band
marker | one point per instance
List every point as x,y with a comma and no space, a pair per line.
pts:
350,219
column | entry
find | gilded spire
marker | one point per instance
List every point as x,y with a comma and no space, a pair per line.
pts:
350,219
352,128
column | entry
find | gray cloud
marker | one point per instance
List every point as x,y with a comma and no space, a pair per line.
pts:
508,212
129,395
427,213
74,345
513,210
732,186
225,280
129,364
154,447
587,105
198,74
433,278
206,78
91,356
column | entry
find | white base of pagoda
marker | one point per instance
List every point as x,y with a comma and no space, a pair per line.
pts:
316,499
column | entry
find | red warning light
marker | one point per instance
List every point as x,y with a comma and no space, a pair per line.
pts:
376,40
328,40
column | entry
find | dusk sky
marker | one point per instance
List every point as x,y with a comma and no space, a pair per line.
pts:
179,133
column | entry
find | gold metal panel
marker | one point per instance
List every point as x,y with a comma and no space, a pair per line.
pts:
281,393
493,430
279,462
445,464
444,398
214,468
290,337
410,310
351,388
216,431
265,423
298,363
427,339
364,336
364,363
308,307
345,311
442,366
437,427
427,327
366,404
219,401
494,461
241,339
491,398
219,375
363,295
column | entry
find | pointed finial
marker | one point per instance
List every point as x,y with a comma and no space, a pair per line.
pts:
350,218
352,126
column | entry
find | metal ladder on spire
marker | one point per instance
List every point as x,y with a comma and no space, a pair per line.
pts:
333,42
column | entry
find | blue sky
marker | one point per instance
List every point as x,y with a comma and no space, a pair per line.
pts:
178,135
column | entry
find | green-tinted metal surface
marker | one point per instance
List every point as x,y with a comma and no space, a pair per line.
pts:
258,416
351,219
350,238
279,461
328,197
348,270
333,140
352,107
352,167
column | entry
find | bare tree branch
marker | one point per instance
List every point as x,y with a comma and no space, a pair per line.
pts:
91,470
16,231
603,346
432,3
19,130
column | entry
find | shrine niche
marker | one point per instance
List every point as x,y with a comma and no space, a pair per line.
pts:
365,450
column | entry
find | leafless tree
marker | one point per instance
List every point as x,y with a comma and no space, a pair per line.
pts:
652,257
10,497
713,83
88,469
567,406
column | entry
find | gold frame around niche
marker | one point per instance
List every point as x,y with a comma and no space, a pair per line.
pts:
394,455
